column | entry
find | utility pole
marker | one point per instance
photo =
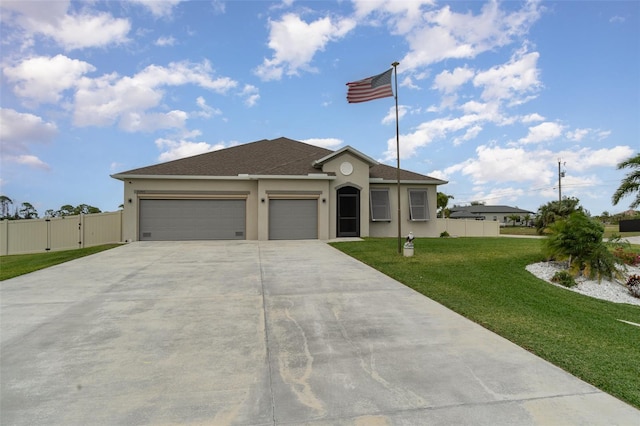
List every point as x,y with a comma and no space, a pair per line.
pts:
560,176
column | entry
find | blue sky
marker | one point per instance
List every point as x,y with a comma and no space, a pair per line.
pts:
491,94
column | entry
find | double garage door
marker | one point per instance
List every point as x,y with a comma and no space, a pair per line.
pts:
181,220
202,219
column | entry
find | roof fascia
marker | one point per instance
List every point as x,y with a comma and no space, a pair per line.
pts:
364,157
408,182
311,176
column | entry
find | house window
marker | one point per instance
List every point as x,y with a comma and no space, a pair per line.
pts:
418,206
379,202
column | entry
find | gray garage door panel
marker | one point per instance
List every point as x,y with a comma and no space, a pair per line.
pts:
182,220
293,219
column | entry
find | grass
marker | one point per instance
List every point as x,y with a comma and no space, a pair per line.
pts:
19,264
485,280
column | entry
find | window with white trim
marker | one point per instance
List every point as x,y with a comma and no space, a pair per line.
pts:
418,205
379,205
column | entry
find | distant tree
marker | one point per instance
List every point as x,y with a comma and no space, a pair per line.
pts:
27,211
85,209
514,218
66,210
631,183
477,203
50,213
5,202
553,210
527,219
443,200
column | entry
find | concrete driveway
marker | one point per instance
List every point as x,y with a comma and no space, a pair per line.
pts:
262,333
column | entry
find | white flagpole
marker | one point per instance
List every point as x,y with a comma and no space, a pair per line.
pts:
395,68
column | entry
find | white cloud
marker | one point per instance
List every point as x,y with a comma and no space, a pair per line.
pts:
450,81
330,143
43,79
295,42
104,100
159,8
165,41
18,130
403,15
509,81
30,161
250,92
587,158
495,164
444,34
140,122
577,135
543,132
206,111
530,118
390,118
181,148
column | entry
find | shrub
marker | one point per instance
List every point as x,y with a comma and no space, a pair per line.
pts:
579,239
444,234
633,284
563,278
626,257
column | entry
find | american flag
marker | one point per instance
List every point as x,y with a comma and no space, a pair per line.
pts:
368,89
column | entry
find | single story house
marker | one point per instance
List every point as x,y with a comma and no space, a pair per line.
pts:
275,189
483,212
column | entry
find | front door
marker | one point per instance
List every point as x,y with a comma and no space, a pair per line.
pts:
348,212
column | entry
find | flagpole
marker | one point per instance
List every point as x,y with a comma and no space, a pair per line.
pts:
395,69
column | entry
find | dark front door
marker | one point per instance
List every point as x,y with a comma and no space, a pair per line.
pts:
348,212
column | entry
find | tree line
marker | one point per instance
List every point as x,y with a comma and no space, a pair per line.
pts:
26,210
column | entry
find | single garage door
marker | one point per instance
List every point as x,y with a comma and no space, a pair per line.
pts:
293,219
181,220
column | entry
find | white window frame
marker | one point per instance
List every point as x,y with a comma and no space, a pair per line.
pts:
415,205
374,210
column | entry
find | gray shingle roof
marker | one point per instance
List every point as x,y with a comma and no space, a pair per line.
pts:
280,156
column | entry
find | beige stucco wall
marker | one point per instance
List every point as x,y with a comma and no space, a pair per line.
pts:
358,179
427,228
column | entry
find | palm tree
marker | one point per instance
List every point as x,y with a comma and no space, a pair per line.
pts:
631,182
442,201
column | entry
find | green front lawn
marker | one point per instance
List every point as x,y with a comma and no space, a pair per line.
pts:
20,264
485,280
609,230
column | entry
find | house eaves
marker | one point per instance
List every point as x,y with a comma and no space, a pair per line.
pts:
318,163
310,176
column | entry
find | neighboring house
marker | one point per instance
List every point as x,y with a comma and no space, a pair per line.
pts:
275,189
496,213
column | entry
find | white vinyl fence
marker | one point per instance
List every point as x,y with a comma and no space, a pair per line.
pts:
59,233
469,227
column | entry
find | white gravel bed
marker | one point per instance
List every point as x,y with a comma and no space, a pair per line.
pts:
607,290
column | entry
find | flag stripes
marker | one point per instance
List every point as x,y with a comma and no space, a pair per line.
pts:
368,89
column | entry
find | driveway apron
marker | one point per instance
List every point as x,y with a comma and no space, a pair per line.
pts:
262,333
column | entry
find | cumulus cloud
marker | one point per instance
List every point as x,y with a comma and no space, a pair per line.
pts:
70,30
159,8
295,43
251,95
18,130
109,98
443,34
514,81
390,118
206,111
450,81
174,149
543,132
165,41
43,79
